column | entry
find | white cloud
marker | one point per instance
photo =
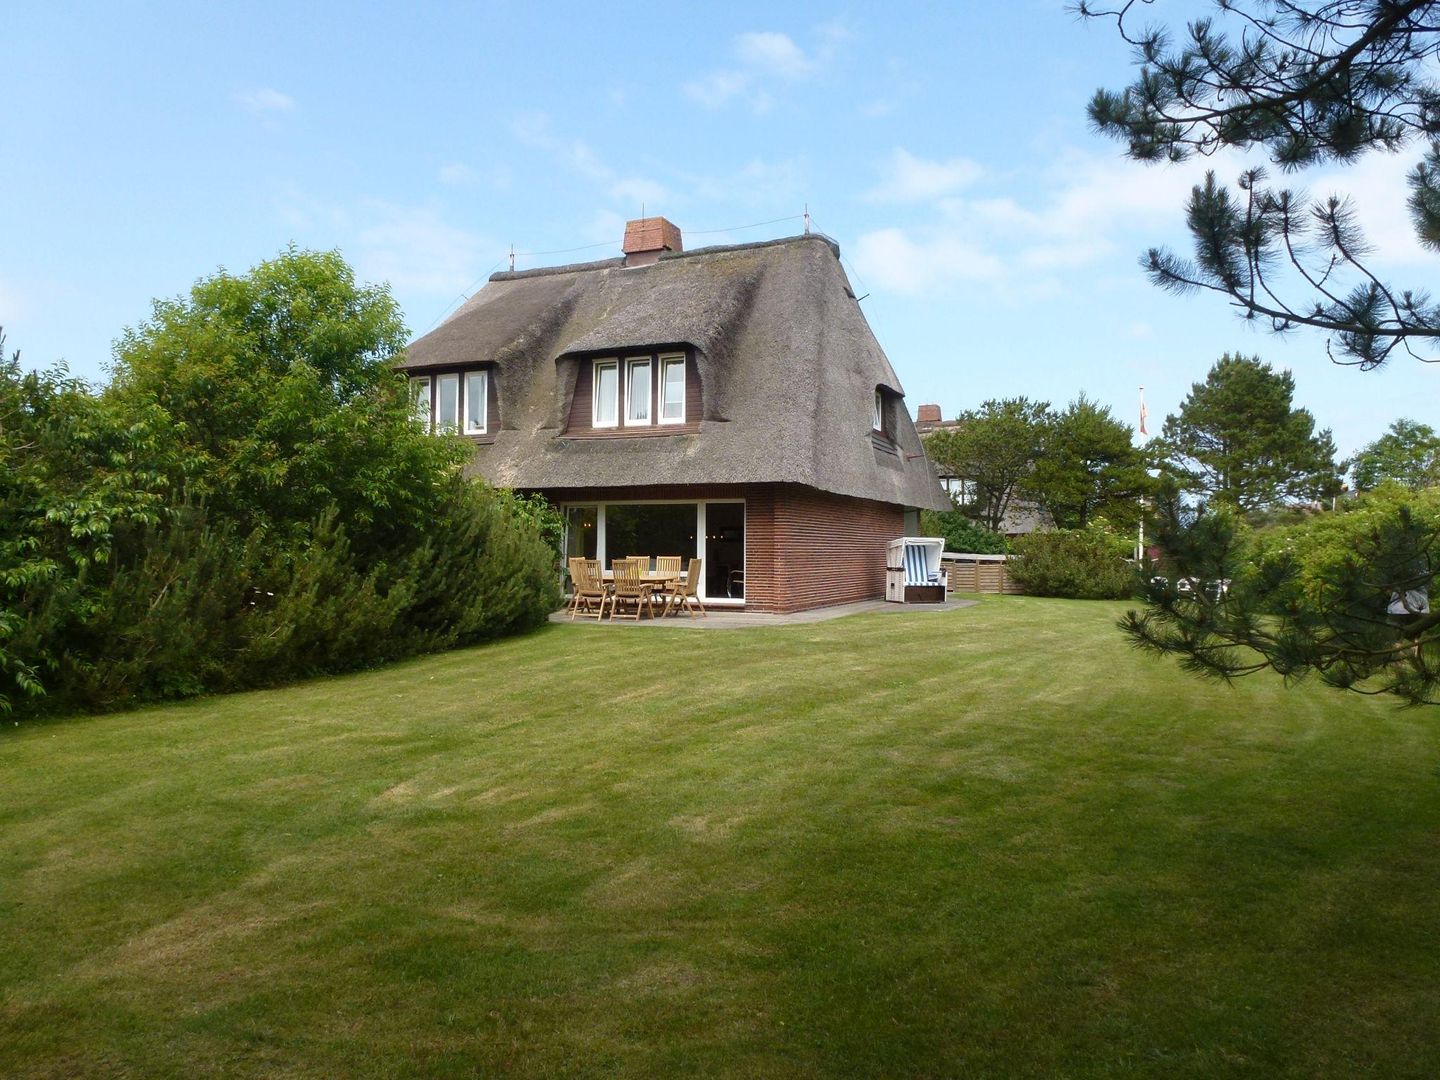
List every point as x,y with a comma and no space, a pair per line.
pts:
1077,213
912,179
535,130
415,249
720,87
455,174
766,56
265,101
1376,188
892,259
757,183
772,53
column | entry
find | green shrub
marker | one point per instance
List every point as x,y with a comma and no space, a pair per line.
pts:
249,501
962,533
1082,564
1304,563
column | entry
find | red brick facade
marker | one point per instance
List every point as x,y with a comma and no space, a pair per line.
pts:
803,548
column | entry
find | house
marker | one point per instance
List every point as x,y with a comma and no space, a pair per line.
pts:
1021,516
727,403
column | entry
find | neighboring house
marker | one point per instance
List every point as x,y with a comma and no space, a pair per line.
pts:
1021,516
728,403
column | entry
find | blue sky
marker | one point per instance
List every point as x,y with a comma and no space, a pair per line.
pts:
943,146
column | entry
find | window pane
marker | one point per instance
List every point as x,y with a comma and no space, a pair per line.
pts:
607,386
878,420
649,529
637,394
581,534
447,402
476,402
725,550
420,395
674,391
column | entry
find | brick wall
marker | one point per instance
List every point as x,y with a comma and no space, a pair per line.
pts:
811,549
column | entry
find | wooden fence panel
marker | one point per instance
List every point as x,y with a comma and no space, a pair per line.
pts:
979,573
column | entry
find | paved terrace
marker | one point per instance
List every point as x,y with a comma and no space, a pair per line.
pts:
730,619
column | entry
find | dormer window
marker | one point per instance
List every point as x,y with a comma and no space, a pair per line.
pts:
607,394
453,401
477,402
637,392
672,389
877,420
447,403
420,399
636,395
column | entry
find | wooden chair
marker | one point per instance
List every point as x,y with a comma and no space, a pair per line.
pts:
590,594
631,590
686,592
667,564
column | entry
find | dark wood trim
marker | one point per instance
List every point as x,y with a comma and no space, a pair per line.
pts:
492,396
580,423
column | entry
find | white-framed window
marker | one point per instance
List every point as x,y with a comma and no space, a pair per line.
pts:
877,419
637,391
606,404
672,389
962,492
477,402
447,403
420,399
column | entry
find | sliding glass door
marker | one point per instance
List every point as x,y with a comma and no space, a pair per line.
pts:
713,531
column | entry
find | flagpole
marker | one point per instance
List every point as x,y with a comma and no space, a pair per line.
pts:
1140,544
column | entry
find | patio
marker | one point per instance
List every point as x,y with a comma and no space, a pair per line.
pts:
731,619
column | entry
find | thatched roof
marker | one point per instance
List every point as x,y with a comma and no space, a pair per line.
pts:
788,369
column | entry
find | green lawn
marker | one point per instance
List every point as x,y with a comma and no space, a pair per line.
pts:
992,841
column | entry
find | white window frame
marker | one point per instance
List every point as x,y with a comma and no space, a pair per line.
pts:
630,366
448,423
666,362
483,377
597,367
428,417
877,418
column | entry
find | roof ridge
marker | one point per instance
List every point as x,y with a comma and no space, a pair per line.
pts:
669,256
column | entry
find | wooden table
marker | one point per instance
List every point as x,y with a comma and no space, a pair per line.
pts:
659,578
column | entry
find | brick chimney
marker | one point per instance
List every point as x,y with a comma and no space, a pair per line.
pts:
927,414
646,238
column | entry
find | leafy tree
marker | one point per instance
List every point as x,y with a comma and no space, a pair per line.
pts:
961,532
1239,441
1341,596
1408,454
996,446
66,493
249,501
1089,466
1308,83
273,395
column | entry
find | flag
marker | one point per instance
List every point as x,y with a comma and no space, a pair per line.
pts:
1144,412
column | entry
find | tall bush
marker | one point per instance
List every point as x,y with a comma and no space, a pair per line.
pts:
249,501
963,533
1081,564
